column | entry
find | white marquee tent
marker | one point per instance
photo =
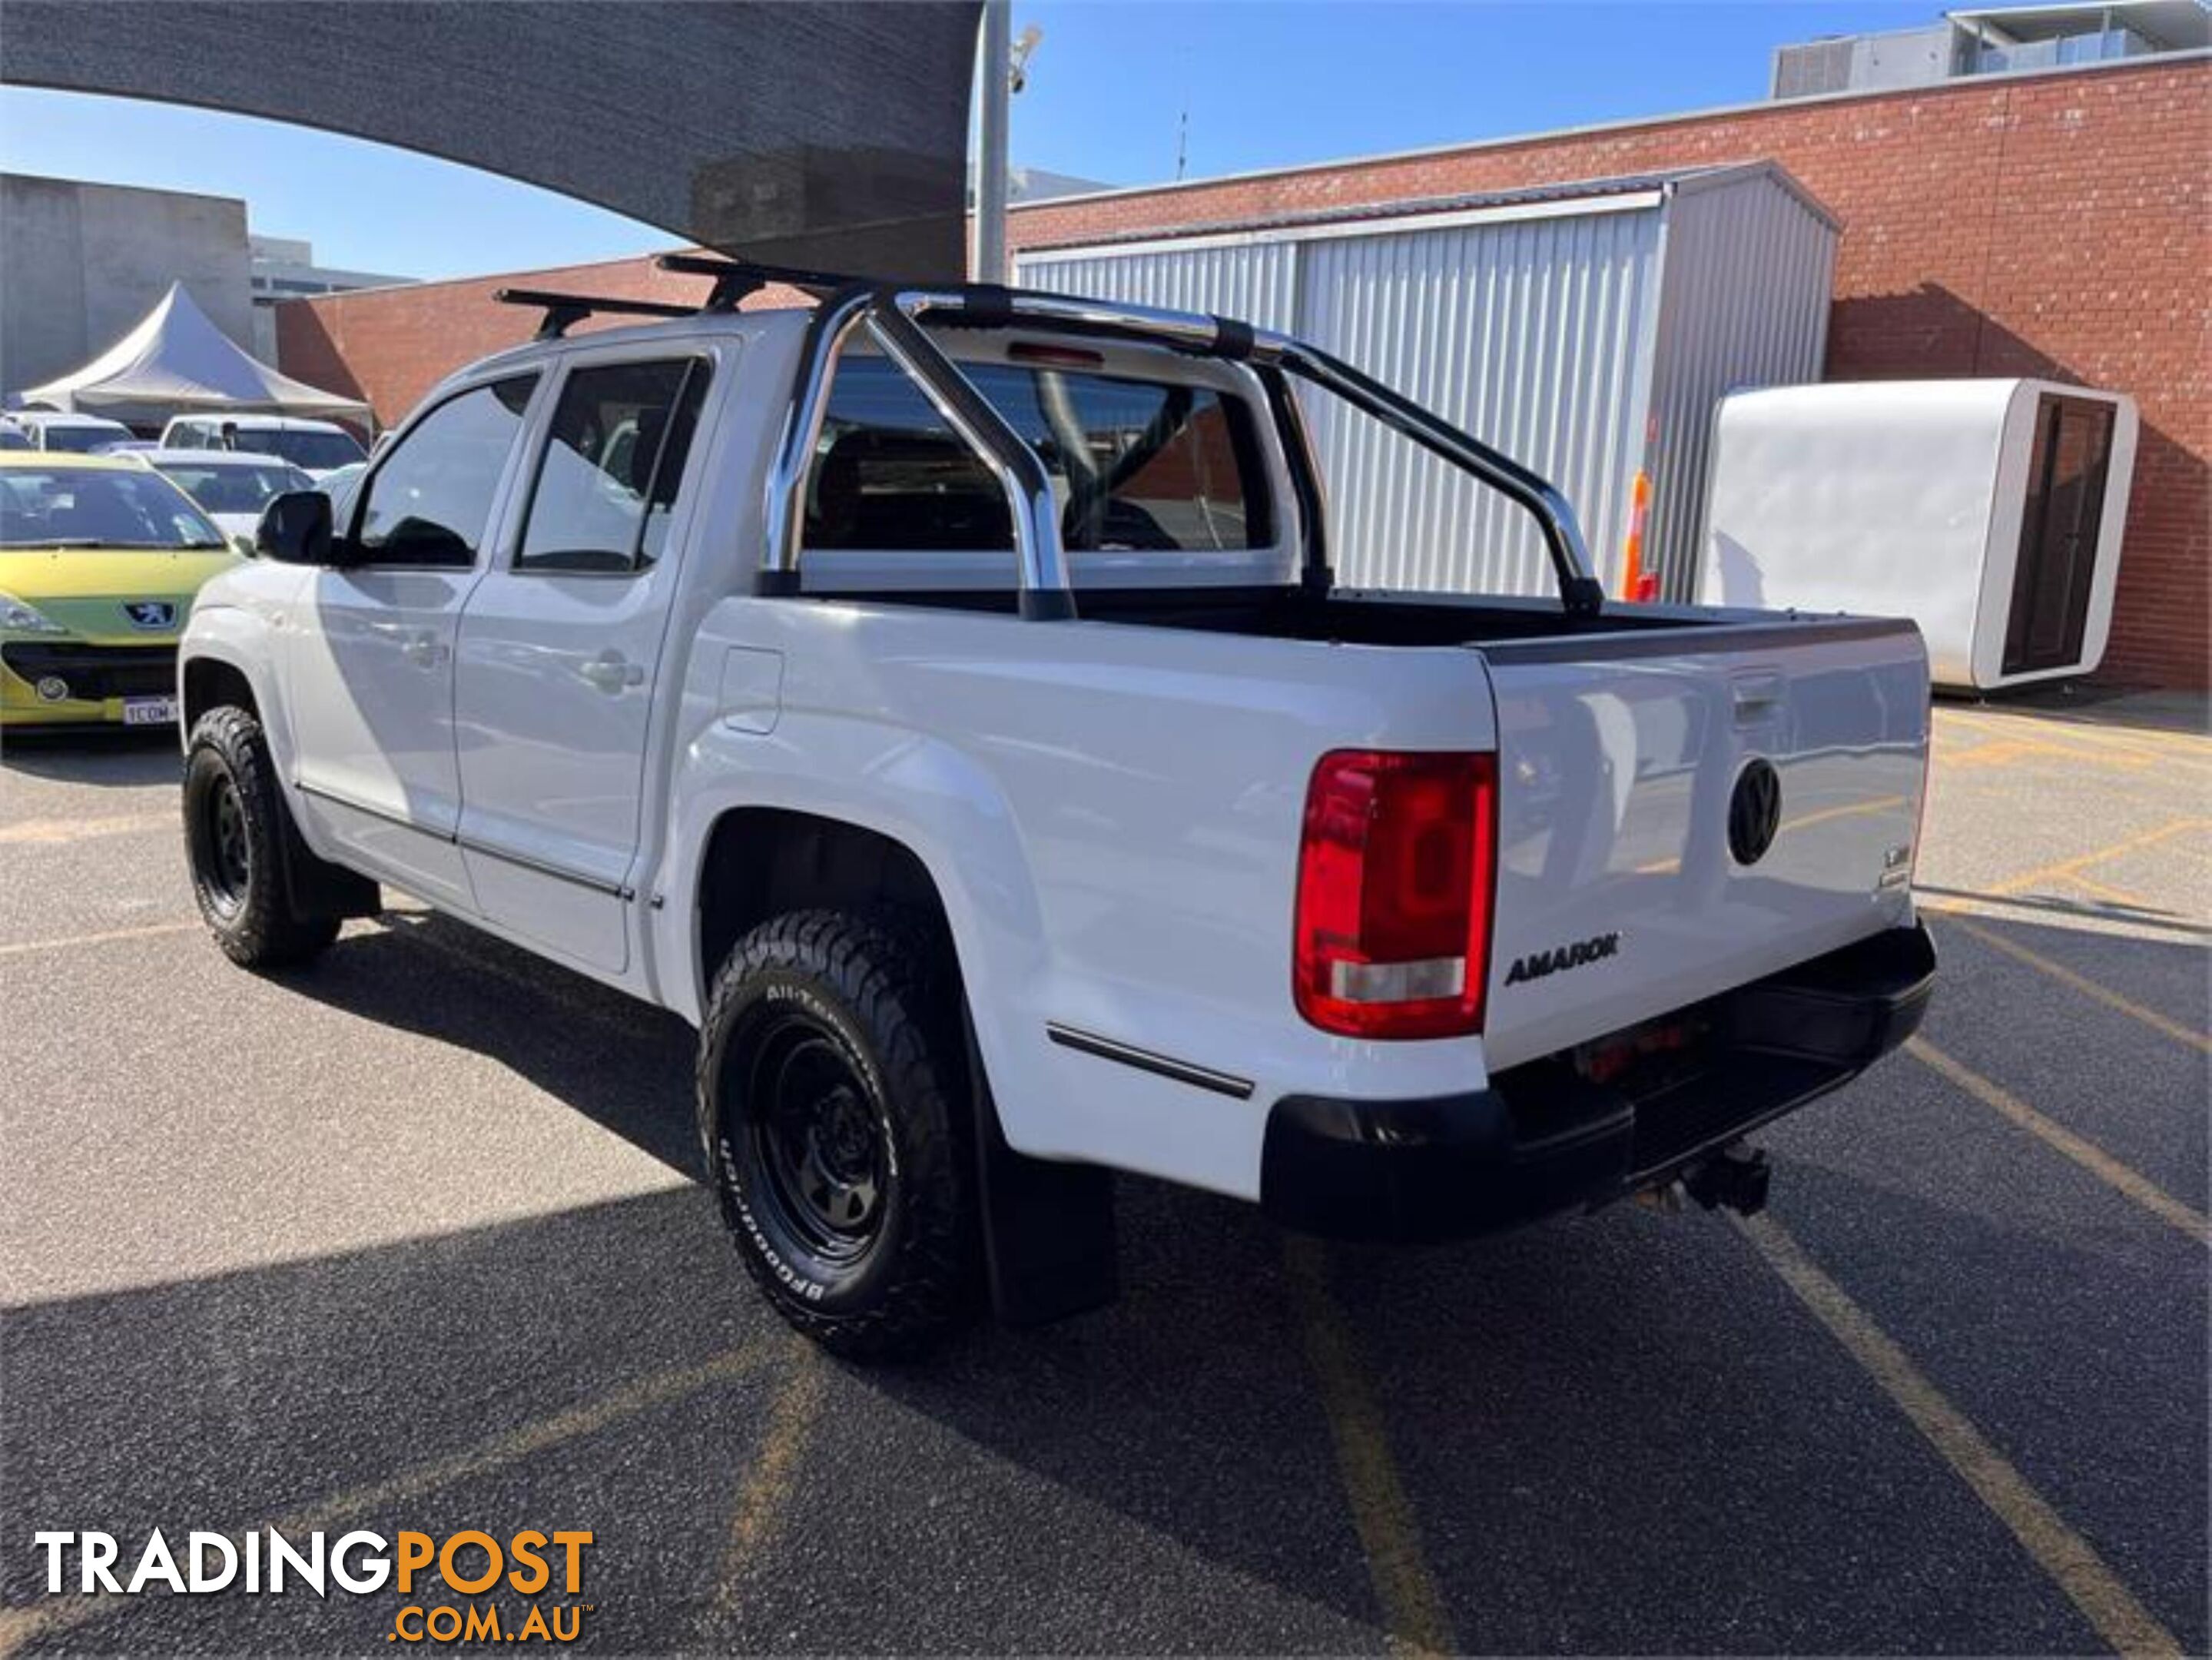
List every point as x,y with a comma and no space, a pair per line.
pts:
176,360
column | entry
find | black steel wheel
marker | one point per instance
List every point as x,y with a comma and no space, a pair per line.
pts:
825,1154
236,835
228,872
833,1102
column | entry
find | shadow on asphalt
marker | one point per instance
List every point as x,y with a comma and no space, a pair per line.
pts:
621,1063
243,1399
2101,911
1619,1434
107,760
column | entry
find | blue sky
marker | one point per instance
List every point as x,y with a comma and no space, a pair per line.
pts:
1264,85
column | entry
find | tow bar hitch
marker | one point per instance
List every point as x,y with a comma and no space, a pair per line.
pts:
1734,1178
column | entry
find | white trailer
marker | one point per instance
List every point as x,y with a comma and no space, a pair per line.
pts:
1990,511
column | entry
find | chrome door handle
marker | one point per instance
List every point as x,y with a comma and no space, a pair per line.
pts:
611,672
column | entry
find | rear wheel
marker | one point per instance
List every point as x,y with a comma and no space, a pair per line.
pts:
832,1094
236,831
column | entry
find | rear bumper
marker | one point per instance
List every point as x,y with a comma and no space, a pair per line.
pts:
1543,1139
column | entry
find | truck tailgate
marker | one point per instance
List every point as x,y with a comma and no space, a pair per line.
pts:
1624,888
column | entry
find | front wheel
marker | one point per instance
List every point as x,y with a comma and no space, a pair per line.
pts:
832,1094
235,829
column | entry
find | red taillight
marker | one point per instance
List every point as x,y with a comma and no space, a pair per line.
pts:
1395,873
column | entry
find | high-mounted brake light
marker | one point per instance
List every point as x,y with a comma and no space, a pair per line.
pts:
1057,357
1397,869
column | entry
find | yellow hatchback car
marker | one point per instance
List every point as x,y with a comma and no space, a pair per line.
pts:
100,560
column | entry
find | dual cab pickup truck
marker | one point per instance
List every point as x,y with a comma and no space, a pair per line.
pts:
941,699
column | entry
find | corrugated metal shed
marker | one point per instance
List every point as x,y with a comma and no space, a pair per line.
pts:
1587,329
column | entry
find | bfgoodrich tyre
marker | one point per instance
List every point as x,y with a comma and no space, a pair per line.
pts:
833,1098
238,833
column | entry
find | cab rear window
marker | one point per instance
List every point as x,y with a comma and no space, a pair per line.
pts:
1137,464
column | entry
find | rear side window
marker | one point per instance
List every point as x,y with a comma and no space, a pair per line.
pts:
1142,465
614,456
430,501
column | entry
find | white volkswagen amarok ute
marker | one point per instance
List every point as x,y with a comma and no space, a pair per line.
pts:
941,699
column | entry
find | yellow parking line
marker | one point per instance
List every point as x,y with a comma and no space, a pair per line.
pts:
2138,743
2185,748
19,947
2060,1552
2112,891
53,831
2082,983
625,1402
2091,1158
19,1625
767,1487
2003,752
2067,867
1413,1610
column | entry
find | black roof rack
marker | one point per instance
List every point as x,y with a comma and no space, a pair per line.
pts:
564,310
736,278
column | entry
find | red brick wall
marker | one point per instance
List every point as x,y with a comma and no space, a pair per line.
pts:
389,346
2054,225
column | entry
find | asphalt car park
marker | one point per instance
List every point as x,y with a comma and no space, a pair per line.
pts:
413,1239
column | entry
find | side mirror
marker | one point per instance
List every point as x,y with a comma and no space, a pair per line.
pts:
295,529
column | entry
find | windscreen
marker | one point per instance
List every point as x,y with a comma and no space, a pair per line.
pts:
84,508
1137,464
235,487
316,450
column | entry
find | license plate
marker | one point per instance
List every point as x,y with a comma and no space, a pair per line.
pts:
149,711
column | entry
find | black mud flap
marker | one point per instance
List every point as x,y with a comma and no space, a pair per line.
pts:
318,888
1048,1236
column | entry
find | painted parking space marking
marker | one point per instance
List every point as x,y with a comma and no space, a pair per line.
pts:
2081,983
2130,749
53,832
2065,868
20,1625
2068,1559
765,1492
2091,1157
1413,1615
68,942
2104,921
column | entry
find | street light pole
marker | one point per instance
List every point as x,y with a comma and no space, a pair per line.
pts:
993,165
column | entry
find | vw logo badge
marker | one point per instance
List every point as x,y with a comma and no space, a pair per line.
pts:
1754,811
151,613
52,688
